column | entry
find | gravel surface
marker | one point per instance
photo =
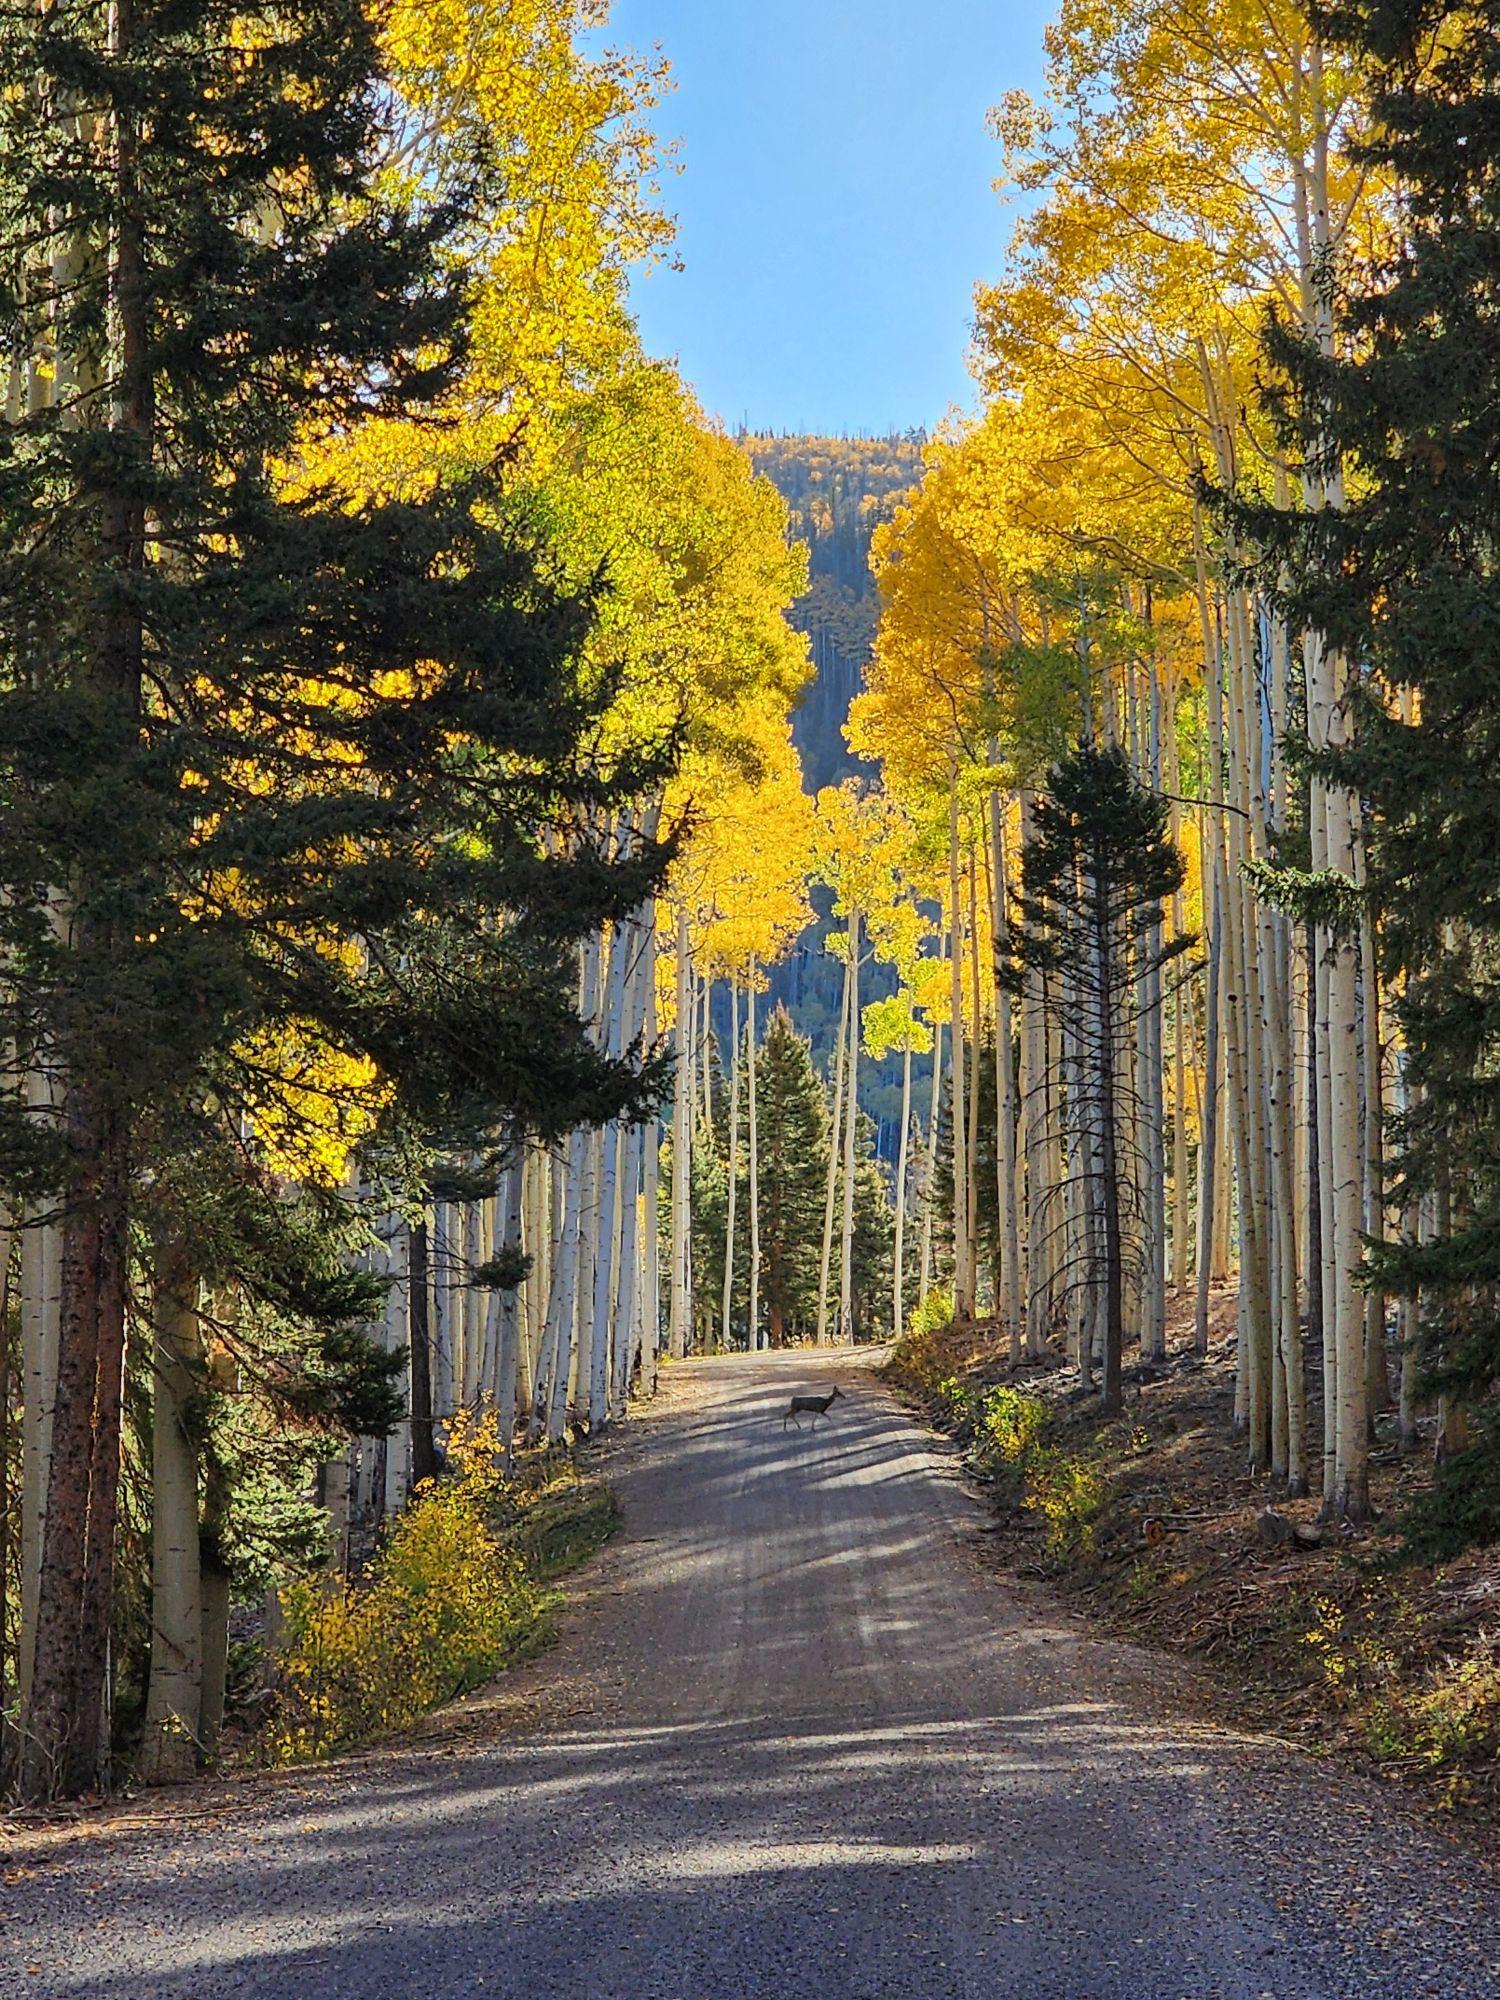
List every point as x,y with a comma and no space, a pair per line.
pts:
797,1741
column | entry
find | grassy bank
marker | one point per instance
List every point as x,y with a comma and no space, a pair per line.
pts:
1151,1524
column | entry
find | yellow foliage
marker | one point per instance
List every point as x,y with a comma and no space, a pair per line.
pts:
444,1607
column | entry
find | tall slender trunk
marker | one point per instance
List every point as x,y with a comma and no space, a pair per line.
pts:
679,1308
898,1277
754,1339
1007,1192
1109,1172
562,1311
851,1118
963,1281
971,1163
419,1281
508,1302
733,1157
169,1746
929,1170
831,1189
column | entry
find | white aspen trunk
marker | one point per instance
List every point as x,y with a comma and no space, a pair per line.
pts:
651,1269
754,1341
487,1339
442,1310
41,1296
169,1745
508,1308
651,1180
477,1366
1153,1326
576,1333
1342,1161
963,1282
1007,1192
1379,1389
831,1189
628,1297
851,1118
398,1337
1036,1101
1251,970
976,1041
679,1303
924,1270
613,1038
727,1303
536,1247
583,1304
1411,1306
898,1281
557,1338
640,935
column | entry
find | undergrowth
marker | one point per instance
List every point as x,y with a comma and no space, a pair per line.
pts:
1010,1437
457,1593
1387,1644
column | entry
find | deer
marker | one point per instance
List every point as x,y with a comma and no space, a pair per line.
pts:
818,1405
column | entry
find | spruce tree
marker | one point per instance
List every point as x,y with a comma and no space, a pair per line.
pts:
871,1269
272,760
793,1169
1400,573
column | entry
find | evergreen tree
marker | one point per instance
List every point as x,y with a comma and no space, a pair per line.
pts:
793,1170
1401,577
874,1239
275,766
1095,876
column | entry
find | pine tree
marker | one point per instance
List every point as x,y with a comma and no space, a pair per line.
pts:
793,1167
871,1267
1401,575
1096,874
273,762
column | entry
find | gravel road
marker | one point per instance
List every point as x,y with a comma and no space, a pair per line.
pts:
797,1743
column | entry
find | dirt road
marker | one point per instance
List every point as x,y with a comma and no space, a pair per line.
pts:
796,1744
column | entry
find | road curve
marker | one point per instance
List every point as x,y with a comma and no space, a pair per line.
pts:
796,1744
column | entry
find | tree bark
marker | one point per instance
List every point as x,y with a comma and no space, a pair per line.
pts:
170,1746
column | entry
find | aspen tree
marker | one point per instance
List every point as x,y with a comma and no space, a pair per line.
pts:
169,1746
733,1157
753,1162
851,1117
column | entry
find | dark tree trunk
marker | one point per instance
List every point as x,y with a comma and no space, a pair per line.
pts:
47,1752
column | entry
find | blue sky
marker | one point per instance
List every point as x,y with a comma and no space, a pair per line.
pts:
835,205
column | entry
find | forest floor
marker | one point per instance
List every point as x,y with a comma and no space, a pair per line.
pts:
1152,1525
799,1740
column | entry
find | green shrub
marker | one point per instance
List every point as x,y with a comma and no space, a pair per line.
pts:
1068,1493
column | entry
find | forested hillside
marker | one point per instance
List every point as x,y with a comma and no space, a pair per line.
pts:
506,888
837,492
